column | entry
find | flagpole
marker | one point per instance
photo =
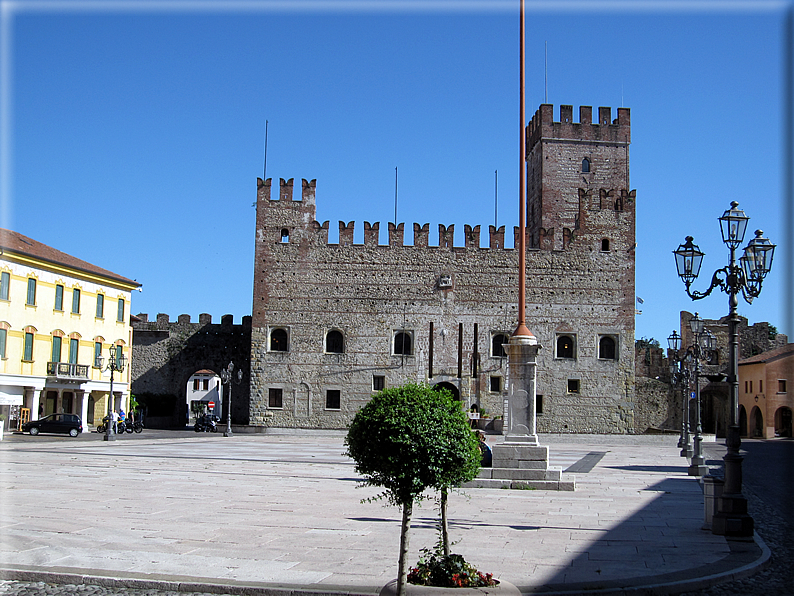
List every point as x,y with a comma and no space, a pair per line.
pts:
521,329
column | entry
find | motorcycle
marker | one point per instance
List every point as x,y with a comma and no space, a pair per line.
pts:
103,427
135,425
205,424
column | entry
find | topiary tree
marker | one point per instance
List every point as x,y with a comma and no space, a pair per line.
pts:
409,439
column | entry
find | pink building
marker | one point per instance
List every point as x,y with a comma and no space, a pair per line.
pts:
766,394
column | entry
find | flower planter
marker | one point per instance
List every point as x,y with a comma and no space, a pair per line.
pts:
503,588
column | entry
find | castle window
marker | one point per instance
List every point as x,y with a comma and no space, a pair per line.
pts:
274,397
565,347
497,345
496,384
585,166
538,404
607,348
605,245
378,382
284,236
334,342
402,343
573,385
278,340
333,399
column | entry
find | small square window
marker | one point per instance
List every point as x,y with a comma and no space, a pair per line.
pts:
196,384
378,382
333,399
496,384
206,384
573,385
781,385
274,398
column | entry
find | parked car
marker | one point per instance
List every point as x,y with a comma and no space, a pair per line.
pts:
55,423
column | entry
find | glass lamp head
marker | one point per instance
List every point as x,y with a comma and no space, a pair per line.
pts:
733,225
688,259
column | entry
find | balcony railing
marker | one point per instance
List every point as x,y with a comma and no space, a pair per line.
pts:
67,372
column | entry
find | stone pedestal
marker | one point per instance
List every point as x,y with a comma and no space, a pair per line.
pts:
520,462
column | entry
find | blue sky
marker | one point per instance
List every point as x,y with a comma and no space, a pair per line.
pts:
133,132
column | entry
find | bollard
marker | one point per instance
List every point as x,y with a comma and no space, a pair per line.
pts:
712,490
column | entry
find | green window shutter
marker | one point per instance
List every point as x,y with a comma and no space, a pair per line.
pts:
31,292
74,345
100,306
56,349
3,334
28,355
58,297
76,301
120,314
5,281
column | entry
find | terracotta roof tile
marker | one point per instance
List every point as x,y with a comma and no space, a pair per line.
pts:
769,355
14,242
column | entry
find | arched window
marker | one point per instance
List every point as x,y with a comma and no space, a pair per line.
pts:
278,340
565,346
497,345
606,348
284,236
334,342
605,245
585,166
402,343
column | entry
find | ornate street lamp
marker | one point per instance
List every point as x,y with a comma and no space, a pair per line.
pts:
116,363
679,377
701,348
226,379
731,518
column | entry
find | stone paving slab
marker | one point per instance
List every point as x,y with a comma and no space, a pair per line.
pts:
278,514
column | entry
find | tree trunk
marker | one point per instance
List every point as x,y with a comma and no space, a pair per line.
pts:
405,536
444,522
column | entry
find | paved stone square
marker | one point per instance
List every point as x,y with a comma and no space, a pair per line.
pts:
271,511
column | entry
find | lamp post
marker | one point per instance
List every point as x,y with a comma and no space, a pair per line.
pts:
226,379
679,375
701,347
731,518
116,363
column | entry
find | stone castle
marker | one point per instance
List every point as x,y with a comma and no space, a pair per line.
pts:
332,323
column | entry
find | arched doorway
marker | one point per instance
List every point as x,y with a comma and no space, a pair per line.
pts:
756,423
449,386
783,422
742,421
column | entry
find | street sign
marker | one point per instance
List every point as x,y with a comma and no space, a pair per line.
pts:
691,396
212,405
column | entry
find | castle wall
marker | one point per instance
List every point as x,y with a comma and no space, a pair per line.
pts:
306,288
166,354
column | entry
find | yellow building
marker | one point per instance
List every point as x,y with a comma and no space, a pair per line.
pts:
59,319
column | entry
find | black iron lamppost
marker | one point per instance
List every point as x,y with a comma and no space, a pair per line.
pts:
701,348
116,363
731,518
679,376
226,379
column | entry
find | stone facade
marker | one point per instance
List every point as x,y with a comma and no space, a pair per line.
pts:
166,354
334,322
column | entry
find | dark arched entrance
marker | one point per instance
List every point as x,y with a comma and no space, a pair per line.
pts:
742,421
756,423
450,387
783,422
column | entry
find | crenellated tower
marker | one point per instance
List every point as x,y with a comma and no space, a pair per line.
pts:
578,178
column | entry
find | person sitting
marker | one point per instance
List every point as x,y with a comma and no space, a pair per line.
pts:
485,450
